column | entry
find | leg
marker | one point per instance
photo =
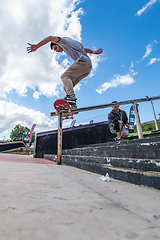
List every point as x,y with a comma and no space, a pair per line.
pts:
120,128
76,72
124,132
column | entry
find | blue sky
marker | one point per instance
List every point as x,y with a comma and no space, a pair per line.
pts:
128,32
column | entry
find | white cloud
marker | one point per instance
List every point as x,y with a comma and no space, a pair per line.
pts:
31,21
153,60
144,8
78,87
36,94
149,49
131,70
116,81
11,114
95,60
123,66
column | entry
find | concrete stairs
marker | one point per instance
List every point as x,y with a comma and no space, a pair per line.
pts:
133,160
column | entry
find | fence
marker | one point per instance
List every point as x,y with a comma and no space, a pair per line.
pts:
133,101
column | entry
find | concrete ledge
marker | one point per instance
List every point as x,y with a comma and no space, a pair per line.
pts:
129,163
11,145
140,150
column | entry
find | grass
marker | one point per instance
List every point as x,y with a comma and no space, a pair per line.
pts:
136,134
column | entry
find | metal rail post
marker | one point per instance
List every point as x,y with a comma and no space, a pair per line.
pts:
155,120
59,140
138,122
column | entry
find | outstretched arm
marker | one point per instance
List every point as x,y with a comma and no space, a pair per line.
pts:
99,51
34,47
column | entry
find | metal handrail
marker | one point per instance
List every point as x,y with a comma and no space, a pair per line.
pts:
133,101
108,105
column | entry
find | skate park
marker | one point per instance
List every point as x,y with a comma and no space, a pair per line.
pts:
67,181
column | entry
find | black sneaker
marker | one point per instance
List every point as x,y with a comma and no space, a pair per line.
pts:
71,101
73,107
117,139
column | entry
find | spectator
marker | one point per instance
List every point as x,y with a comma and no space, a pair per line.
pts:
118,122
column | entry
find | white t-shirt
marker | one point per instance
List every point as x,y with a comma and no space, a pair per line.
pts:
73,49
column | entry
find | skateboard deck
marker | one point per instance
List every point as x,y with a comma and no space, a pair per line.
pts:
61,105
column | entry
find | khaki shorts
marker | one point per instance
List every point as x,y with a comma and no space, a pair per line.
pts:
74,74
123,132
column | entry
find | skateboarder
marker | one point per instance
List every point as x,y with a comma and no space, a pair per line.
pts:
78,70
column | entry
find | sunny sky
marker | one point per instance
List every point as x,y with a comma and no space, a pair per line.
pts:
128,32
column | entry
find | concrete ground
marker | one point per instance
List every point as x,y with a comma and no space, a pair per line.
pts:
42,200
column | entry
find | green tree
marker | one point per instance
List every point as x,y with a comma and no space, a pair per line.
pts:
19,133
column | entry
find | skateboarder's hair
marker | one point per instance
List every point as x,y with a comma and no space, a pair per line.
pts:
51,45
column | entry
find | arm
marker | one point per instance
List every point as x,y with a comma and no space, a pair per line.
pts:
111,119
99,51
125,120
34,47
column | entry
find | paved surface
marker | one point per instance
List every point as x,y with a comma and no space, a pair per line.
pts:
52,202
23,159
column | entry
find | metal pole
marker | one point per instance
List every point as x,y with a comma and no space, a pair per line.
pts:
155,120
138,122
59,140
108,105
35,142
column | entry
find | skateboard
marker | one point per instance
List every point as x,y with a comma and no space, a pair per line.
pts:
60,105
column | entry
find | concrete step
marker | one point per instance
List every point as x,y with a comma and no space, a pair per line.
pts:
139,172
121,149
130,163
133,160
146,139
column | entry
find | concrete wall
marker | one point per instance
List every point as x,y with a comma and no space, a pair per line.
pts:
46,142
11,145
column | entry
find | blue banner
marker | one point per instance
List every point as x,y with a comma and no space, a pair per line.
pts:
131,120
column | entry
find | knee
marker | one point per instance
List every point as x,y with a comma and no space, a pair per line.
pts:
65,78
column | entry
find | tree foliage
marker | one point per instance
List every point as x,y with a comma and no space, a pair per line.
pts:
19,133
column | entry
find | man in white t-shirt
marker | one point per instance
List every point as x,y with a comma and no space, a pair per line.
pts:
78,70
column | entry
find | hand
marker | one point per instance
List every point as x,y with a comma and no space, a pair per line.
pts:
127,125
99,51
31,48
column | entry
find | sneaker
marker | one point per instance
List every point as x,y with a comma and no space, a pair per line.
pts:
117,139
71,101
73,107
